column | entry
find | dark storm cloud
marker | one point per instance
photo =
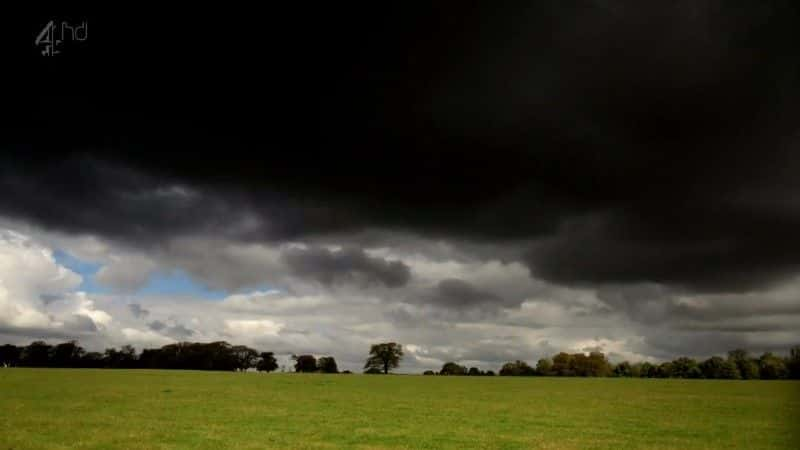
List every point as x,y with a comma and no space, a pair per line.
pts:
633,142
455,293
656,304
83,194
711,254
329,267
665,343
97,193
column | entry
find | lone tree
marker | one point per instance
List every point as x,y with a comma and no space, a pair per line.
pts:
267,362
384,356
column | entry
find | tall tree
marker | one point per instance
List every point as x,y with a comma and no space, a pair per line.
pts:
712,367
771,367
92,360
544,367
622,369
267,362
597,365
244,356
37,354
516,369
327,364
451,368
304,363
684,367
112,358
729,371
647,370
562,363
67,354
747,367
384,356
9,355
127,357
793,363
664,370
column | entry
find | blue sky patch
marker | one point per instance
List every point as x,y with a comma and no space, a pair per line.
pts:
178,282
87,271
174,282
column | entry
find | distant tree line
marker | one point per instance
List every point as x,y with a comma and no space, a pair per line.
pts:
738,365
182,355
451,368
185,355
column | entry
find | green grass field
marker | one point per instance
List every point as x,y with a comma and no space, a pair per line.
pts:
109,409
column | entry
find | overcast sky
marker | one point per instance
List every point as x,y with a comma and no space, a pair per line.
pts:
478,184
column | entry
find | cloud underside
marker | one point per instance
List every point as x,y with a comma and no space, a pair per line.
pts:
502,312
575,175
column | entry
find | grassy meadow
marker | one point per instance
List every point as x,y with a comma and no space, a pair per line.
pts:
153,409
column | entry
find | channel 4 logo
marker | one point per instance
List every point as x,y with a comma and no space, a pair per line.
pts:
55,34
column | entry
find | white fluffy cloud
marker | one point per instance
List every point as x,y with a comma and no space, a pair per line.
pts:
275,302
145,337
126,271
39,295
272,308
253,328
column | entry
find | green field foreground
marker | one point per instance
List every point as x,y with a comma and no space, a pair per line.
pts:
110,409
